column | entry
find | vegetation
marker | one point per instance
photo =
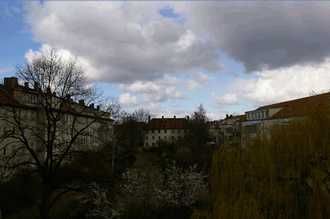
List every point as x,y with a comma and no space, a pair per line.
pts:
170,193
284,176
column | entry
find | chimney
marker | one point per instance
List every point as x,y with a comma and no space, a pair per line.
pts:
82,102
26,84
91,105
11,83
149,118
98,107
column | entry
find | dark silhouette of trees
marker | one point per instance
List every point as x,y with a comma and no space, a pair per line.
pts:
197,138
129,135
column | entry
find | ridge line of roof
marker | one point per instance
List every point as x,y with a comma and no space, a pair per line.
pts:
293,100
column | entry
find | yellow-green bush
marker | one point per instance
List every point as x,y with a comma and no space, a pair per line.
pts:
285,176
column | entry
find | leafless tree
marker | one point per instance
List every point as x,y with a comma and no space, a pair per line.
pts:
46,124
141,115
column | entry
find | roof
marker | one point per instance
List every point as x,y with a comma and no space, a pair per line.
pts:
167,123
7,98
299,107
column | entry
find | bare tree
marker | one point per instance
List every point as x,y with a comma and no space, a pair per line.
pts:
141,115
46,124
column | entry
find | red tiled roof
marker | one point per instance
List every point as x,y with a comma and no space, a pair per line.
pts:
300,107
167,123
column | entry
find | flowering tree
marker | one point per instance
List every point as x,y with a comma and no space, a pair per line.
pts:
99,203
151,190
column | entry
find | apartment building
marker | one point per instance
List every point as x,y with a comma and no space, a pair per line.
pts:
23,102
262,119
164,129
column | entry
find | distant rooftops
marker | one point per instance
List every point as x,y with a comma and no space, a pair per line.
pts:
297,107
168,123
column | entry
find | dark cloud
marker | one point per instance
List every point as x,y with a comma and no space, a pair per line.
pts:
265,34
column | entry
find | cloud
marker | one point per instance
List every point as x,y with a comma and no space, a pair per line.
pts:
65,55
197,81
285,44
271,86
263,35
154,92
228,99
123,41
127,100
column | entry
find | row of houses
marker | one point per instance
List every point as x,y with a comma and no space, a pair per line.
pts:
235,129
232,130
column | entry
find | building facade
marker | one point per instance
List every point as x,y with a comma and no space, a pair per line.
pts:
260,121
164,129
22,118
230,129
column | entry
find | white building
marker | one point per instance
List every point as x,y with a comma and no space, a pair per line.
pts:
230,130
164,129
23,103
261,120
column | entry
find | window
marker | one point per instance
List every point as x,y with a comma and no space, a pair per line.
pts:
251,129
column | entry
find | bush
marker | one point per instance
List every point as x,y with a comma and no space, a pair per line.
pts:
145,194
284,176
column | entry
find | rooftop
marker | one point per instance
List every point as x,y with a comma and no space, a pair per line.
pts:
167,123
299,107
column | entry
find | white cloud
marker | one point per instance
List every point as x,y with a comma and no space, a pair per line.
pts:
228,99
154,92
287,83
127,100
131,44
123,42
65,55
186,41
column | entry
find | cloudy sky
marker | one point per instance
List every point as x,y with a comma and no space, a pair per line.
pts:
169,57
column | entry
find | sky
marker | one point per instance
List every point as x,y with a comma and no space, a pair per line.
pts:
169,57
